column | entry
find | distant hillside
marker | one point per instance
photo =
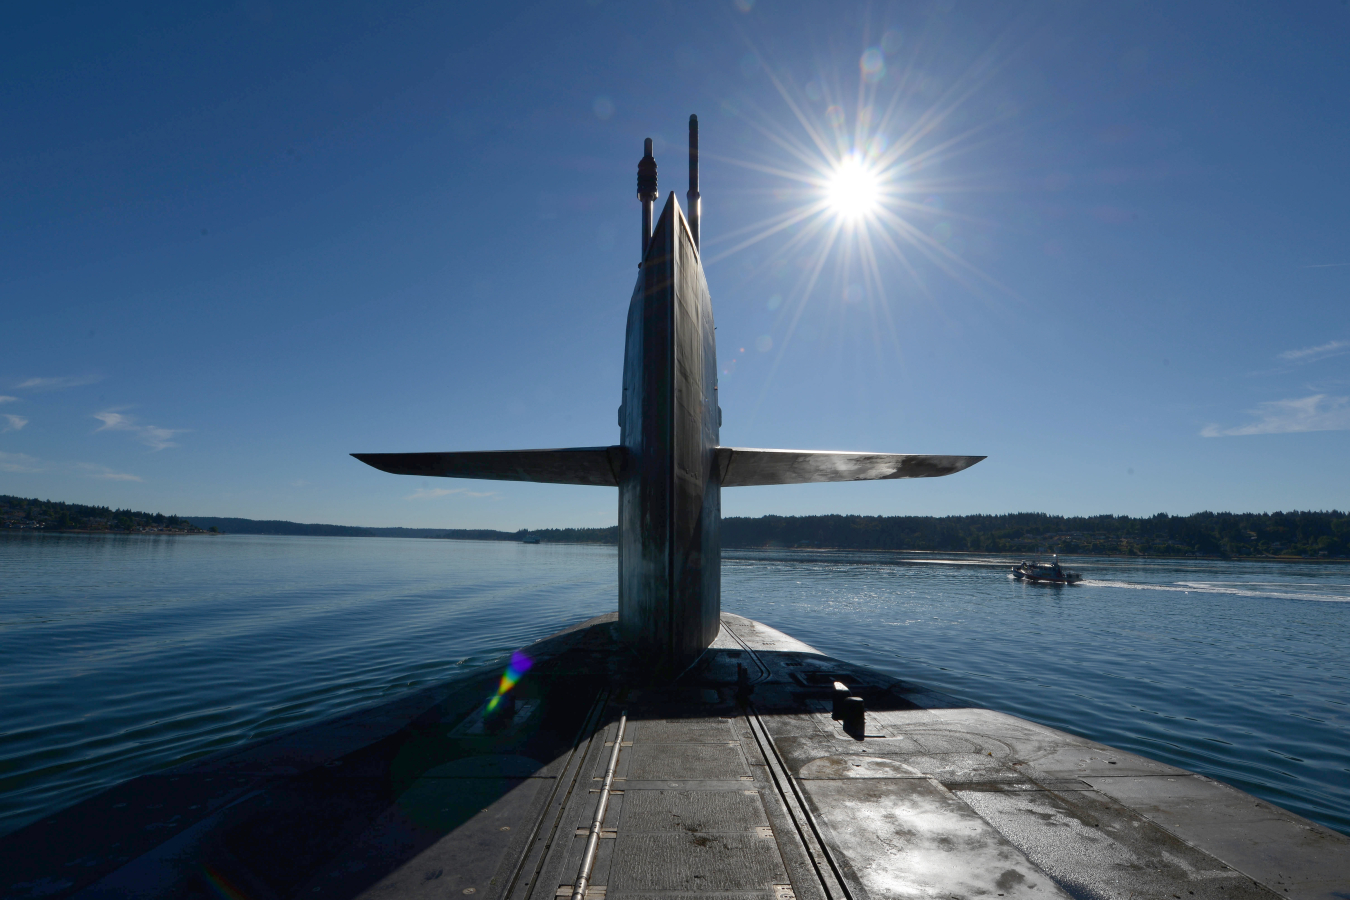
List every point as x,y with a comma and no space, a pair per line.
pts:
32,514
1319,535
276,526
1307,535
1279,534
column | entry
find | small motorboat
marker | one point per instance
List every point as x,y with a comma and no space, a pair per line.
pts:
1045,573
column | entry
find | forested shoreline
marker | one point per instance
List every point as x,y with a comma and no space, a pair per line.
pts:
1298,534
1294,534
1319,535
30,514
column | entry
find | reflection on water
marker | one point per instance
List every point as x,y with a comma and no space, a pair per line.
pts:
124,655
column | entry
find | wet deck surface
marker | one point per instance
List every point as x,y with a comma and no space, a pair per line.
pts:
719,793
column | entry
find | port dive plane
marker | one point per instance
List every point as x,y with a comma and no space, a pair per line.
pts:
669,466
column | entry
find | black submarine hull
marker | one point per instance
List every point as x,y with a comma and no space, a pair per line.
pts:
669,465
670,750
726,785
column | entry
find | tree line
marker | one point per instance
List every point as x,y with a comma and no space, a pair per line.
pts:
23,513
1301,534
1279,534
1304,534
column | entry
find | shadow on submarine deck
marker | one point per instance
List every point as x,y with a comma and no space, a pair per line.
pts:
722,790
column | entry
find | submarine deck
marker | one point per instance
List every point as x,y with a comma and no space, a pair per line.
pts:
718,792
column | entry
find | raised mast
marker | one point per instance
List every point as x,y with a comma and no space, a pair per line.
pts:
646,192
669,464
694,204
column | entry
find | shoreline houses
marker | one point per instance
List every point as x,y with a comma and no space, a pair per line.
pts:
21,514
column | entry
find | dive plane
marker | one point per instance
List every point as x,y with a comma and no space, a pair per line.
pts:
669,465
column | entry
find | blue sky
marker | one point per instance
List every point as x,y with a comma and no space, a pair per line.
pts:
240,241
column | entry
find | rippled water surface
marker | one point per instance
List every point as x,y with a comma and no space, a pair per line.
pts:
122,655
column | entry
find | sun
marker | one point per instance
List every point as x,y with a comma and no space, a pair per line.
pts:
860,188
853,189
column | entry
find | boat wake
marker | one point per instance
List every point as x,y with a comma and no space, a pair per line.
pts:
1272,590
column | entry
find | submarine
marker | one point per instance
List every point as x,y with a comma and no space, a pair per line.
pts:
670,750
668,465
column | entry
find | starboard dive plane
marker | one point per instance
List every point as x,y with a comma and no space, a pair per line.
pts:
669,466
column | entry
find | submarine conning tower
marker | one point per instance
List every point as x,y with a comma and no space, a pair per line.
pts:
670,492
669,464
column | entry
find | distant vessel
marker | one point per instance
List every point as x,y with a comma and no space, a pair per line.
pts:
529,539
1045,573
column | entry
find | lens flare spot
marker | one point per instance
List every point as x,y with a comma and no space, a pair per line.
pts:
835,116
222,887
873,64
853,190
764,343
517,667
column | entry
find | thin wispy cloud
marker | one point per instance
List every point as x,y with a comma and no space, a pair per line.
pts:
1313,354
96,471
57,384
153,436
6,399
19,462
432,493
16,423
1318,412
22,462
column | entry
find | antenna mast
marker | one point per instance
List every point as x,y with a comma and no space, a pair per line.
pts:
695,204
646,191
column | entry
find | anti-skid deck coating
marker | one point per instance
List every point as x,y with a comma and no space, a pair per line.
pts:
715,796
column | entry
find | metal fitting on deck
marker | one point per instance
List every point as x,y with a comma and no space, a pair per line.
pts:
743,686
854,714
840,695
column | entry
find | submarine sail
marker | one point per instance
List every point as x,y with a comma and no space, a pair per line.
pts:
669,465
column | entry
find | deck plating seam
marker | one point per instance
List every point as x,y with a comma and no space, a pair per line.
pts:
585,734
593,840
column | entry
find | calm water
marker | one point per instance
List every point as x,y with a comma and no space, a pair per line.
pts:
124,655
